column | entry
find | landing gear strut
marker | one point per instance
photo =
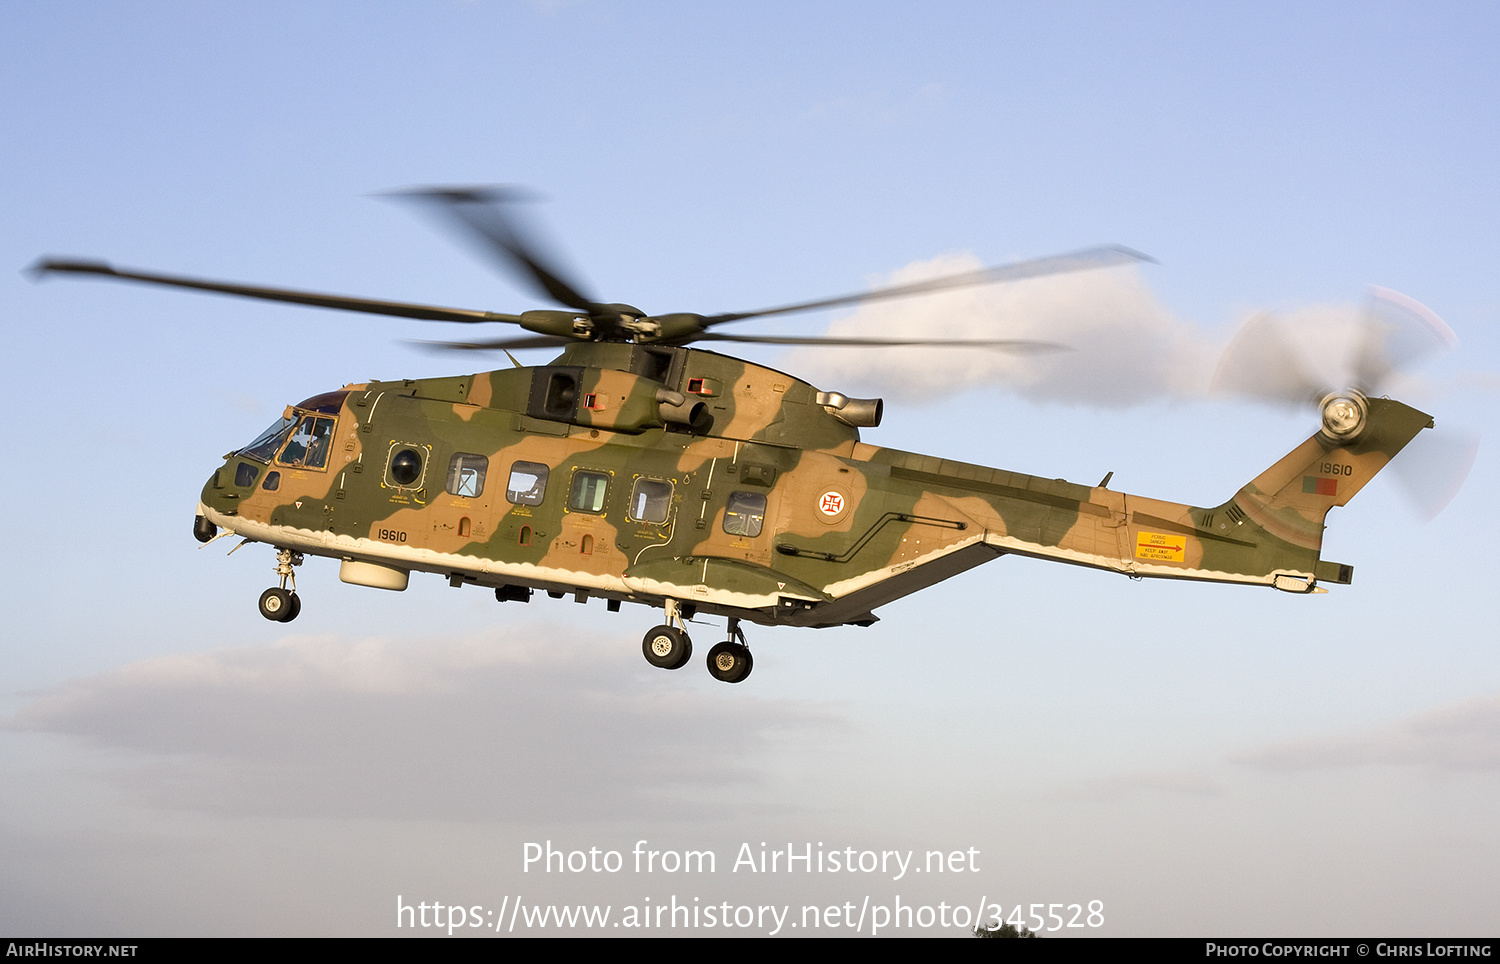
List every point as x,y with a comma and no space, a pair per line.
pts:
730,661
668,646
282,604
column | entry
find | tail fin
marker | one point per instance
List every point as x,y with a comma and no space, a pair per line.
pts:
1291,498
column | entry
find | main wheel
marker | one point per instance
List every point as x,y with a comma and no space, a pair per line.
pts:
296,608
667,647
278,605
730,662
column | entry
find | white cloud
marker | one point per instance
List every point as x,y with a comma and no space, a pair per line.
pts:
1124,346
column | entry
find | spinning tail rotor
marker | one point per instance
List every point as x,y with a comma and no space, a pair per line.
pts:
1334,367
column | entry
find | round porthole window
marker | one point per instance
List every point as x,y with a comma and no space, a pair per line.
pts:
406,466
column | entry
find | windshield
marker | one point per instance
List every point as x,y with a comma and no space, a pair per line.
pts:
310,442
266,443
310,447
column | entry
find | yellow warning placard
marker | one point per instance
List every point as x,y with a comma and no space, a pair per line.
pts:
1163,548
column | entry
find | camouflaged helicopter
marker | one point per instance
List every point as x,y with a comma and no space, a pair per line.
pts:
637,469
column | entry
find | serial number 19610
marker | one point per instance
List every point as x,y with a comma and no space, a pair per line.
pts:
391,535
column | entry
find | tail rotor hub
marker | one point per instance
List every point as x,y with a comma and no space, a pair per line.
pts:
1344,415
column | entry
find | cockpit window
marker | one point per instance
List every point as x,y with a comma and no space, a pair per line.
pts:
314,435
308,446
268,442
328,403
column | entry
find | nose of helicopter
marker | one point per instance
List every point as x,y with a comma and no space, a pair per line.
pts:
230,483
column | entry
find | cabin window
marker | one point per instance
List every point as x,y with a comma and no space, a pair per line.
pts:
589,490
309,444
745,514
466,475
528,483
244,475
405,466
272,481
650,501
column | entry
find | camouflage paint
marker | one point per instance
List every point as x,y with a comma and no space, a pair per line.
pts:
848,527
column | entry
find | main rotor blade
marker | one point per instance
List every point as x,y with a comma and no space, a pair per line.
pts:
400,309
498,344
479,210
1057,264
1017,345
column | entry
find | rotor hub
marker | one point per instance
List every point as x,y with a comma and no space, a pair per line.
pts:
1344,415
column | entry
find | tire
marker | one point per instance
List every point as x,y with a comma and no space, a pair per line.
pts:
277,605
667,647
730,662
296,608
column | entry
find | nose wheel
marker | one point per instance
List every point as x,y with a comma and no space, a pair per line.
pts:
282,604
279,605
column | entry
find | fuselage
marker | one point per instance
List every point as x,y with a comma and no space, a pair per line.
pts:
645,474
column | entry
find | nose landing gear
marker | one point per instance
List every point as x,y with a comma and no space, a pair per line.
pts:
282,604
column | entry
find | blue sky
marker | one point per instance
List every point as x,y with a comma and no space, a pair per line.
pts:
1201,759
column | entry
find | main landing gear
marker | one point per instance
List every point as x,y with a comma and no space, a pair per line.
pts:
730,661
669,647
282,604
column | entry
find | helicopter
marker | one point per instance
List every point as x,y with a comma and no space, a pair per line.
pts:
636,468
